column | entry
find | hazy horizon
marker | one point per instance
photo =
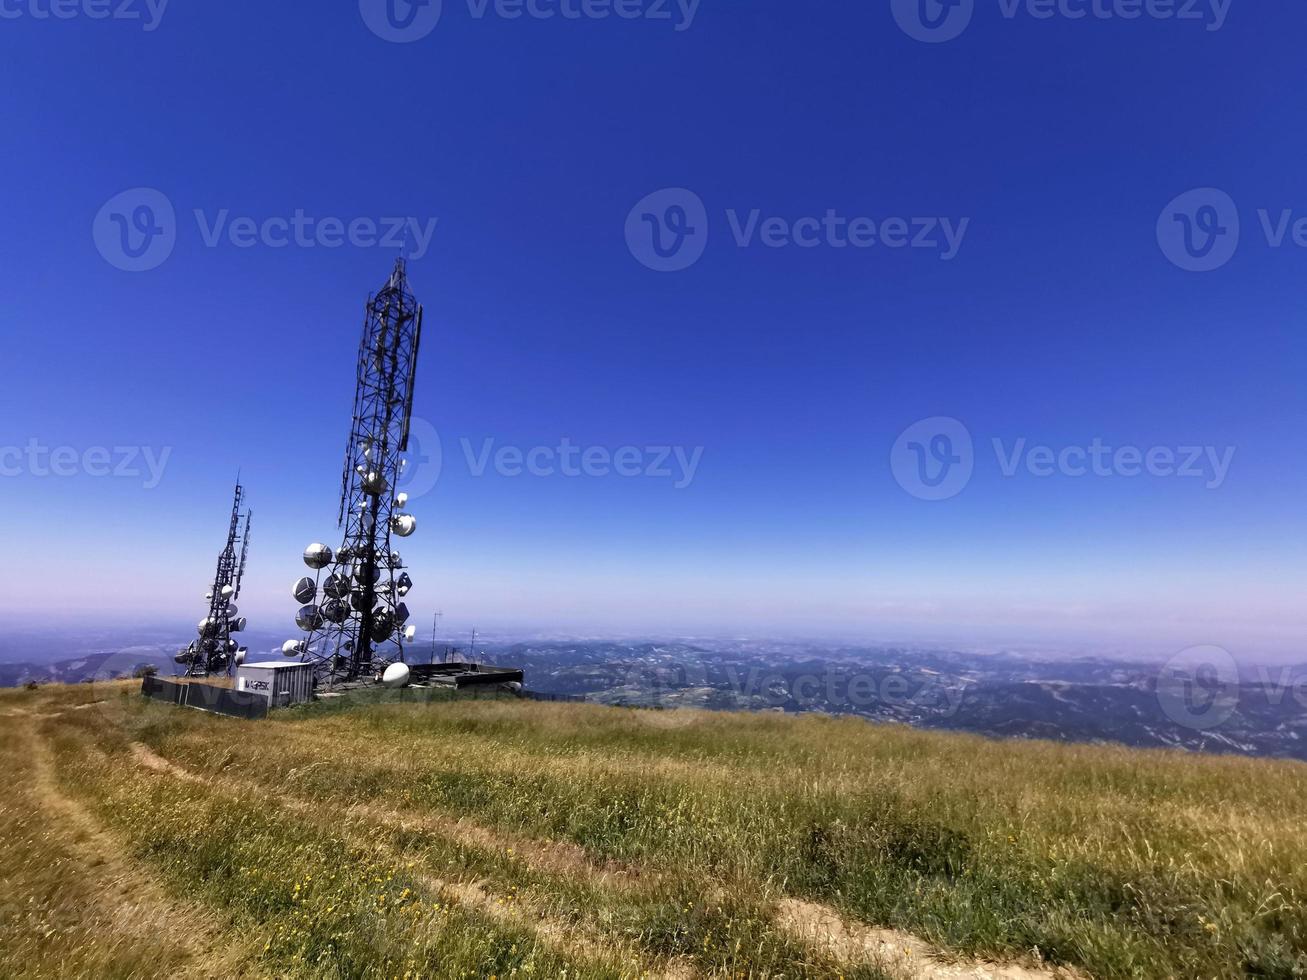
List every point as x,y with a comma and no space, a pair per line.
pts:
889,342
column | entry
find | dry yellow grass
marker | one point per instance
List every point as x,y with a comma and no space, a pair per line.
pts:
512,838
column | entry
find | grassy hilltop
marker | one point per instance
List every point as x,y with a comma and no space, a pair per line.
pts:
504,838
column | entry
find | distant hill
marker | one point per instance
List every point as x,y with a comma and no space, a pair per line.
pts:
1081,699
102,666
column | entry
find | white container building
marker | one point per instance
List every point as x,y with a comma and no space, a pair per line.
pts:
280,681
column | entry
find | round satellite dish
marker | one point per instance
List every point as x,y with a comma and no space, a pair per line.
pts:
345,556
241,654
227,590
361,573
336,587
375,484
401,500
304,590
205,626
358,600
403,524
238,624
317,556
335,611
232,611
308,618
396,675
291,648
410,632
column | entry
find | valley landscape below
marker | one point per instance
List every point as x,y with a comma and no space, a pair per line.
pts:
1257,710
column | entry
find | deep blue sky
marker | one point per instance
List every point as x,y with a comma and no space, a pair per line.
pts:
1060,320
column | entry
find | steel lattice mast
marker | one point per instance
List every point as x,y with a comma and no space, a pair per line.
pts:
354,618
216,651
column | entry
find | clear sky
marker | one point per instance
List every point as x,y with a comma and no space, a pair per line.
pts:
1038,163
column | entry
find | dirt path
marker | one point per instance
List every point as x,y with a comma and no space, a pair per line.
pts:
899,953
820,927
131,900
568,938
549,857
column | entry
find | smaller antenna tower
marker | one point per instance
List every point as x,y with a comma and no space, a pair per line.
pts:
216,651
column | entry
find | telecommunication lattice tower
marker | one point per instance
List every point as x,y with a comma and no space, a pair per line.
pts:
216,651
352,609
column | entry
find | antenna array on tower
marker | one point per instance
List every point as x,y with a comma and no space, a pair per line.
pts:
352,608
216,651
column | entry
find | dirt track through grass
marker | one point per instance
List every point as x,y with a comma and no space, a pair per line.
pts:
372,825
100,892
900,953
490,837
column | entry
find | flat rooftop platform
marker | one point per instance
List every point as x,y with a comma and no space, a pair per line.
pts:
464,675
